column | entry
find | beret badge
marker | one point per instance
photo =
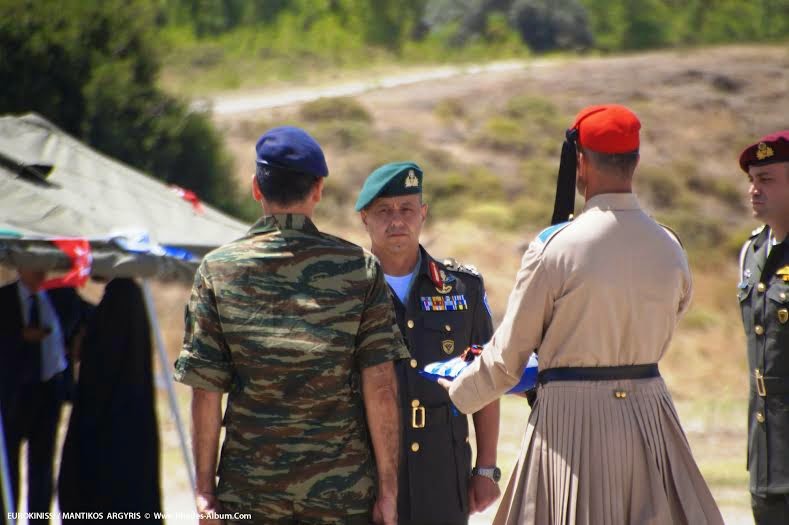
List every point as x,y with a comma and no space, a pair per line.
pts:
411,181
763,151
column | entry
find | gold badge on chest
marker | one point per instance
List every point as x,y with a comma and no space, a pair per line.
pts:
448,346
783,315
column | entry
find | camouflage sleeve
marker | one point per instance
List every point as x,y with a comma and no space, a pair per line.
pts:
379,339
204,361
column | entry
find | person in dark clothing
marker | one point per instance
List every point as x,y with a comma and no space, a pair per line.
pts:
34,327
111,454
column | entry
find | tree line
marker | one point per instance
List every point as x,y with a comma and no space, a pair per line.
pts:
542,25
92,66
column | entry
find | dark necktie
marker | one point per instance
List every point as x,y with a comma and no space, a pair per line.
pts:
31,371
33,317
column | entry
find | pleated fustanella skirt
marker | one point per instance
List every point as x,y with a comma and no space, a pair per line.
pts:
594,456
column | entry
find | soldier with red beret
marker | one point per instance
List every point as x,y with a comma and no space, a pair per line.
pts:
764,301
598,299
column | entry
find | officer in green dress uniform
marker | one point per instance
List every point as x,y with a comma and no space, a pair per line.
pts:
441,309
764,300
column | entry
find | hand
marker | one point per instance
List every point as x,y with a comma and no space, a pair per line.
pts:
446,383
385,511
482,492
207,504
35,334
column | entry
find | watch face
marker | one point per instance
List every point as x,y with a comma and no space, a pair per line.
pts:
496,474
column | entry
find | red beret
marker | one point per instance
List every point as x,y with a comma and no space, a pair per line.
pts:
609,128
769,149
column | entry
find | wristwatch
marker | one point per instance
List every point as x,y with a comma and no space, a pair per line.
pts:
493,473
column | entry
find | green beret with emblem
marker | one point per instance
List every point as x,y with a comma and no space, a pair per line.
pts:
390,180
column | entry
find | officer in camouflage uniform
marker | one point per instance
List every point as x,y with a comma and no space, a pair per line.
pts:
764,300
441,309
297,326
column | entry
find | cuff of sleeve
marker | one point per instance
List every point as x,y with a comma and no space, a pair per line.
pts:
464,392
202,375
398,351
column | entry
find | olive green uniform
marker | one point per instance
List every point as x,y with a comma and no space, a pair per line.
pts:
764,301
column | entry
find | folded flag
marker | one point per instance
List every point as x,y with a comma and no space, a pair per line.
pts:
452,368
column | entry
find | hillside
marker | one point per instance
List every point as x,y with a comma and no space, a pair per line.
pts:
489,145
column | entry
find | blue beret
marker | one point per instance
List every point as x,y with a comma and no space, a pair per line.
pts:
293,149
390,180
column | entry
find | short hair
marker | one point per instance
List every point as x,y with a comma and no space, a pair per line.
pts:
620,164
283,186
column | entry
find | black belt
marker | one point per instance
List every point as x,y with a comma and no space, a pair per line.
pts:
598,373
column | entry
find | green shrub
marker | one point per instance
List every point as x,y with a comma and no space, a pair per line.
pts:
450,109
342,134
335,108
700,318
661,188
503,133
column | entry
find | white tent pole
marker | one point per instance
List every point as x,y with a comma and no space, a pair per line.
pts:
165,367
5,477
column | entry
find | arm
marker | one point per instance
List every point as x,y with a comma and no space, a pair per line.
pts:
206,424
483,491
379,389
503,359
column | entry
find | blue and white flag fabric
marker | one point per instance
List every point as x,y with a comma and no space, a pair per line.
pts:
452,368
140,242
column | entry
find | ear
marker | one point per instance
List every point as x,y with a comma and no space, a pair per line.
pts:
256,194
423,210
317,192
363,216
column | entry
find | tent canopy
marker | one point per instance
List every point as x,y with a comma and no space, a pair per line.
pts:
53,186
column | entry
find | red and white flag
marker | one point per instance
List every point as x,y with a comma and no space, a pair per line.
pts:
81,257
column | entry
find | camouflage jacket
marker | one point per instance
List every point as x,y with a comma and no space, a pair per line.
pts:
284,320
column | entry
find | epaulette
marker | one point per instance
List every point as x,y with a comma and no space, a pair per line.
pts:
545,236
744,251
452,265
673,234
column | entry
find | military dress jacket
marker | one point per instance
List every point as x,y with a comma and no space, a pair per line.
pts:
284,320
764,301
446,312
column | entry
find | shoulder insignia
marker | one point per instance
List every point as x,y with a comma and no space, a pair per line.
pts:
454,266
550,232
671,232
469,268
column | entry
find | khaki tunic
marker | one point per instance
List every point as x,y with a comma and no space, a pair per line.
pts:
604,290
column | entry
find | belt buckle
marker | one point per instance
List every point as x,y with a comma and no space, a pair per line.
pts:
760,388
417,417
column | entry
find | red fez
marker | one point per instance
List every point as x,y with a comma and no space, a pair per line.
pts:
608,128
769,149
